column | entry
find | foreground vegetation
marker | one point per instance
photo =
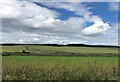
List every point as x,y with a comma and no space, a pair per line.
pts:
32,62
59,68
59,71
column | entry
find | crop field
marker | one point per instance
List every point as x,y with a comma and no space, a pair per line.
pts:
59,67
33,48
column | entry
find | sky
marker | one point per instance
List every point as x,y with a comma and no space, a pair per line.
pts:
28,22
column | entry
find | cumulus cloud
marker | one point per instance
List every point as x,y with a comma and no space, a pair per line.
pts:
82,10
97,28
25,22
23,9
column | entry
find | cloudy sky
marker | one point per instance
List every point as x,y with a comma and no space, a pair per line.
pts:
59,22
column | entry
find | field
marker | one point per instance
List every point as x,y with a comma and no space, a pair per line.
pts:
33,48
33,67
67,60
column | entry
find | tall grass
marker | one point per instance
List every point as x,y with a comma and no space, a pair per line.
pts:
59,71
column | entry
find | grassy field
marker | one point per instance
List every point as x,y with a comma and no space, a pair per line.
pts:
59,67
68,60
33,48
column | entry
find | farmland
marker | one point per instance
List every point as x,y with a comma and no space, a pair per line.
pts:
45,67
33,48
67,60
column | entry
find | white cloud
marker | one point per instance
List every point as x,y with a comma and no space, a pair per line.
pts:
74,0
26,22
81,10
75,7
97,28
23,9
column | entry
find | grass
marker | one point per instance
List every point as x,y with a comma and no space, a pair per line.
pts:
33,48
61,59
59,68
12,48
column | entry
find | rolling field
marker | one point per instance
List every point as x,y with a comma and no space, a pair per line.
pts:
33,48
59,67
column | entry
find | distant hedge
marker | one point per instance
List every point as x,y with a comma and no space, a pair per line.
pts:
57,54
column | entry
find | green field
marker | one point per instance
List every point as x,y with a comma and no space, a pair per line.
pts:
68,60
59,67
33,48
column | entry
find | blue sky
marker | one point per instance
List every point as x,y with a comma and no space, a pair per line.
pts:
65,14
97,8
59,22
102,9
